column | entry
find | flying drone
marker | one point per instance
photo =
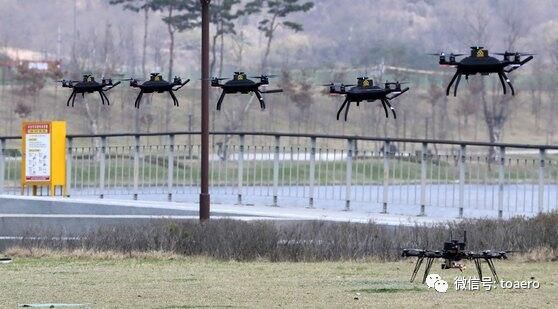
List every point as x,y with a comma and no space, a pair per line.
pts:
156,83
365,90
88,85
454,255
240,83
480,62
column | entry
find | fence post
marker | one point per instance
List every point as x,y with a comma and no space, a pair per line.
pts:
69,158
170,166
312,171
423,167
102,166
501,175
276,169
386,176
542,157
349,173
136,165
2,165
240,168
462,158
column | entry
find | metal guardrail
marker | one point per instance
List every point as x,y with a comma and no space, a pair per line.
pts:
345,172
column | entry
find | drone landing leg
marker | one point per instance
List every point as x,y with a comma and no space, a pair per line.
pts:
347,110
74,99
502,81
70,98
429,262
451,82
490,263
509,83
385,108
106,98
220,102
341,108
456,85
102,98
260,98
392,109
174,99
138,99
417,268
479,267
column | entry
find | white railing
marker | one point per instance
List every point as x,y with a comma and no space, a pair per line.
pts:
421,177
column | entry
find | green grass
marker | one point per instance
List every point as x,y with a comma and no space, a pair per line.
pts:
179,282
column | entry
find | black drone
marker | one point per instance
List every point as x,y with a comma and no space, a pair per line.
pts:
365,90
156,83
480,62
88,85
240,83
454,255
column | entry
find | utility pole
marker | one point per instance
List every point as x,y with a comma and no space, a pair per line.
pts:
204,195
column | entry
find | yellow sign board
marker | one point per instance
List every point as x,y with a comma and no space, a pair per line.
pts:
43,163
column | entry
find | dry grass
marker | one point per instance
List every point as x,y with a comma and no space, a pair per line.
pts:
539,254
300,241
149,282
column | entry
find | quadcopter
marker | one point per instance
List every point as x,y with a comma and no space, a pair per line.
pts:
88,85
454,254
240,83
365,90
156,83
480,62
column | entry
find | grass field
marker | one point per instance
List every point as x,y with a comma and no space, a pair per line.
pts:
179,282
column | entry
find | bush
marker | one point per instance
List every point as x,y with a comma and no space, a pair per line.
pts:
304,240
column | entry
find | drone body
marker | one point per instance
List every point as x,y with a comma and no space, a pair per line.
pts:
365,90
240,83
88,85
454,255
480,62
156,83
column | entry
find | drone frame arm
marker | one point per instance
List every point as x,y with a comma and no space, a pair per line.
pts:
521,63
180,85
398,94
109,87
272,91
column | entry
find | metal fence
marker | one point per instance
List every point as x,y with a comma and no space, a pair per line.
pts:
420,177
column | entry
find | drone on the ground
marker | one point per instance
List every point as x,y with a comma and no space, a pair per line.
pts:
88,85
365,90
240,83
480,62
156,83
454,255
